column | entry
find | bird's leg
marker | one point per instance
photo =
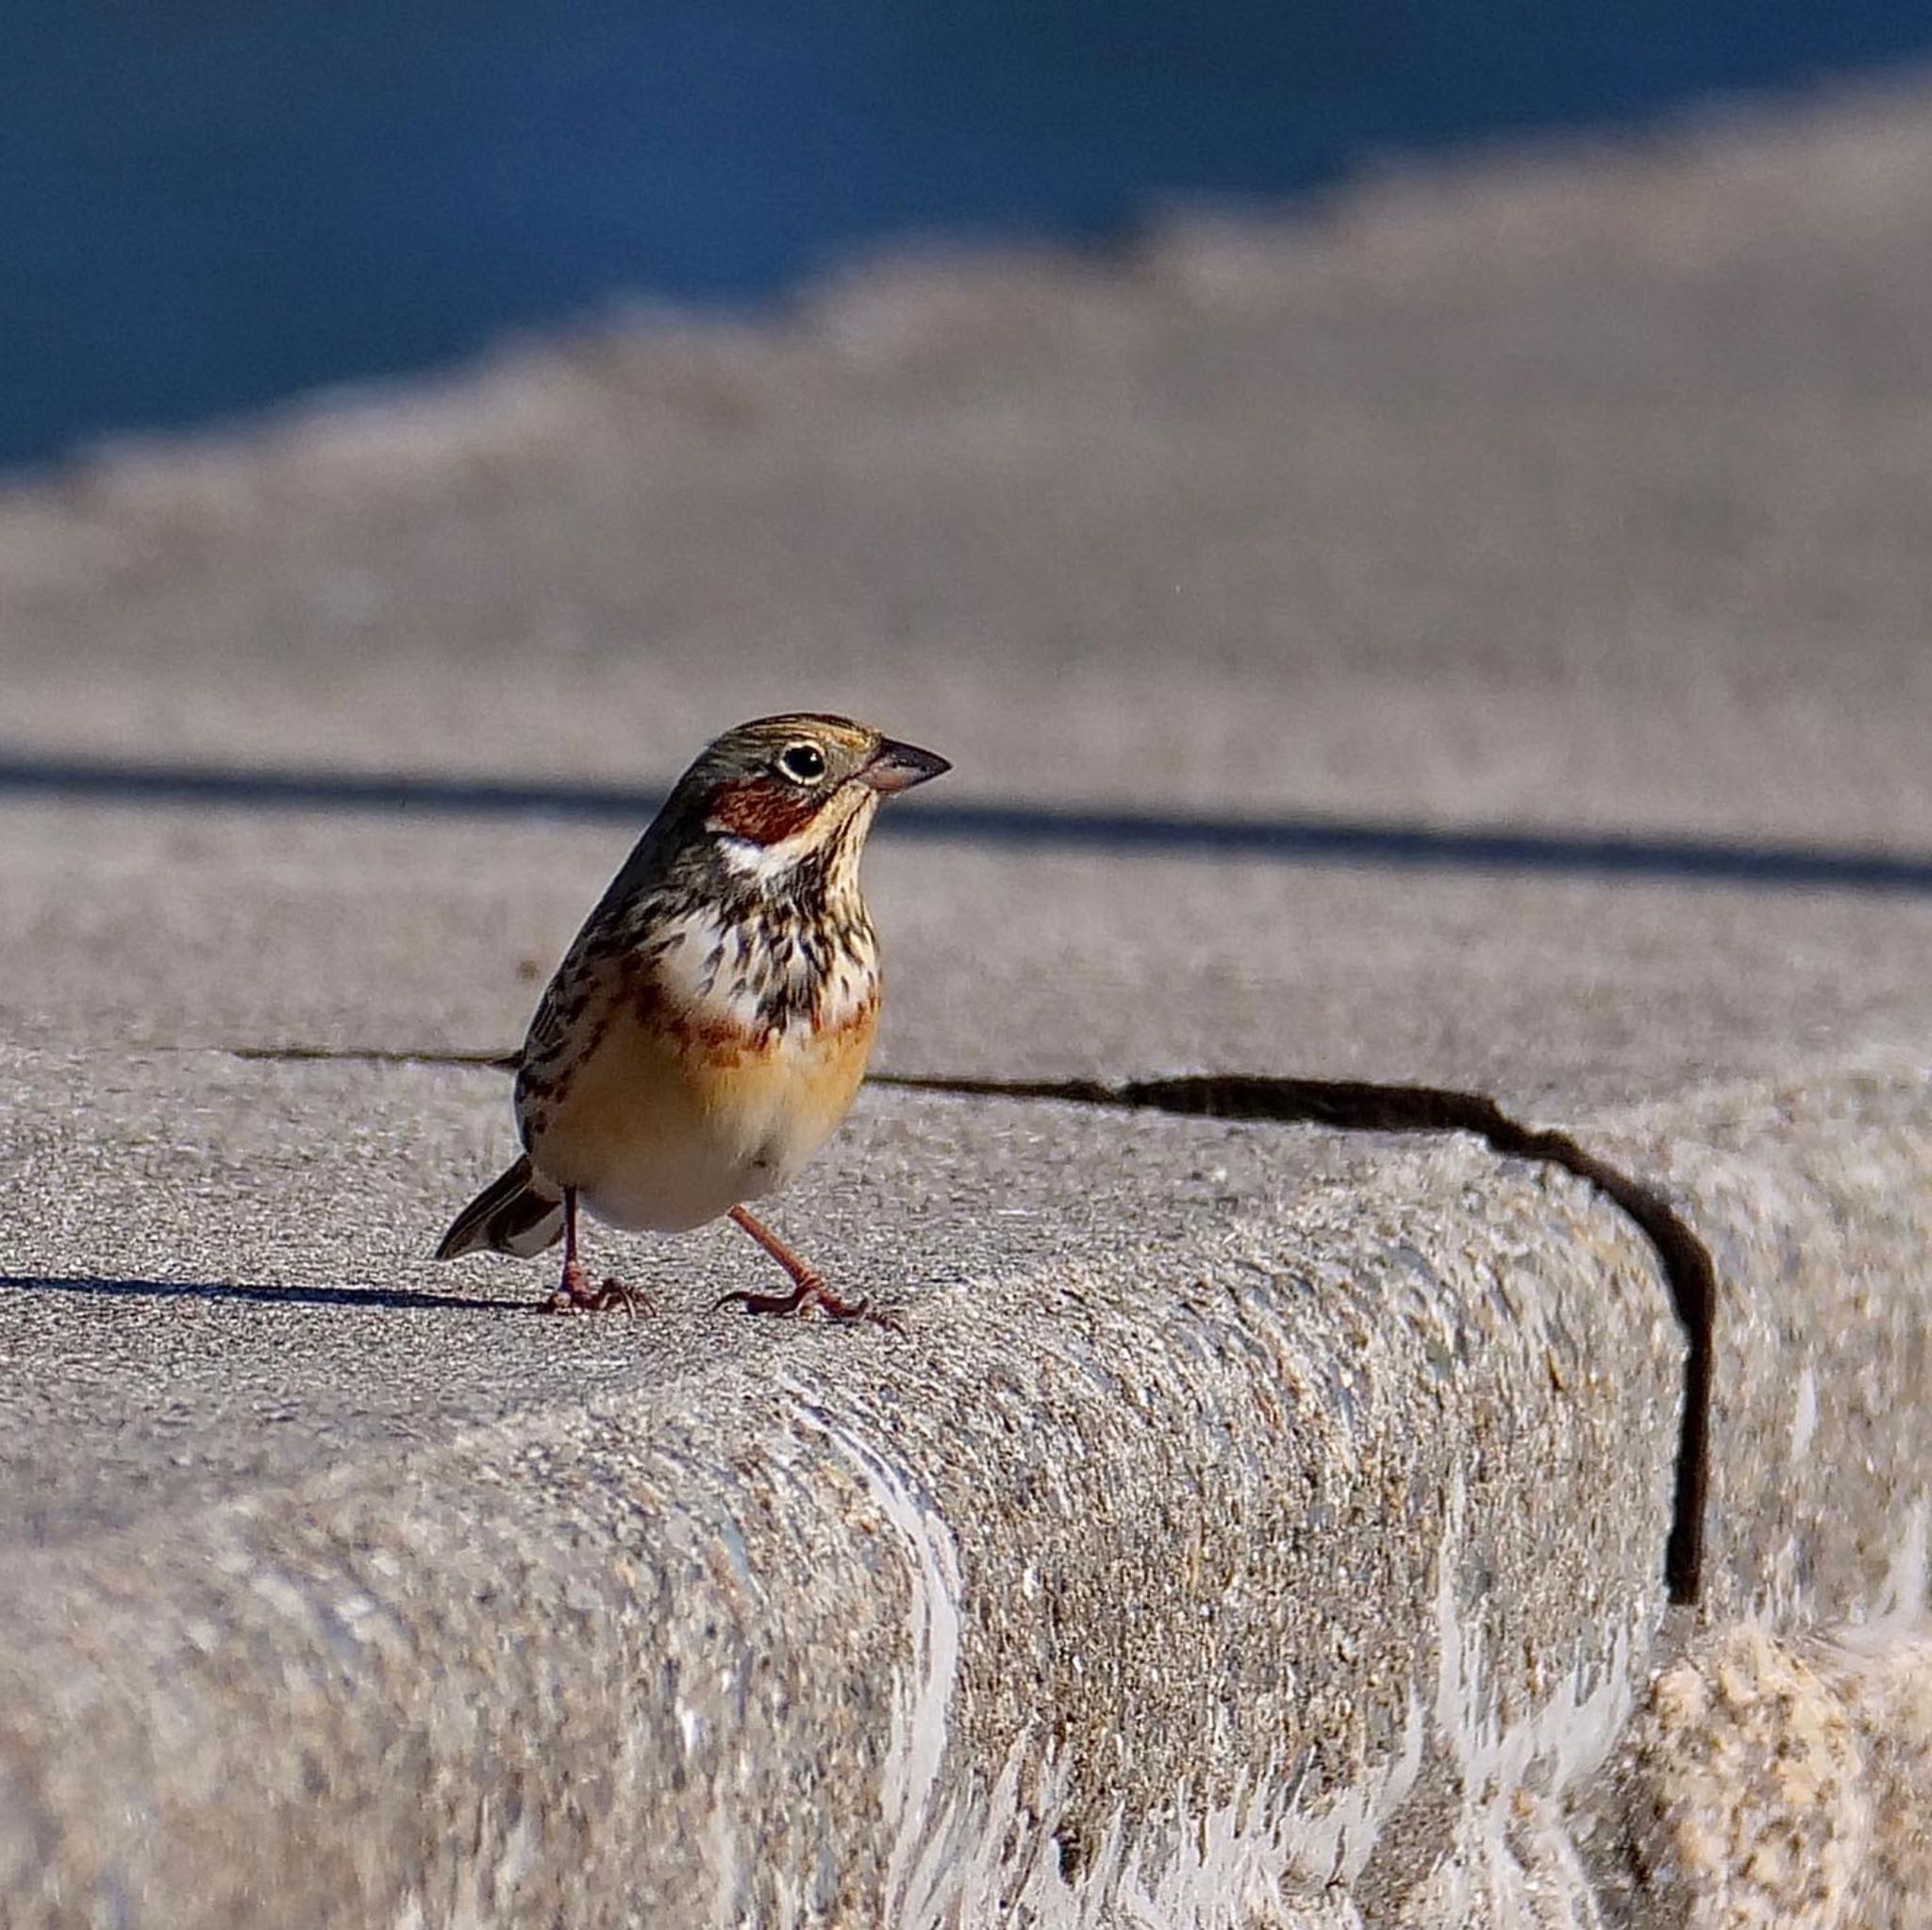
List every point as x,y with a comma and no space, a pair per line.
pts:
573,1289
574,1293
809,1294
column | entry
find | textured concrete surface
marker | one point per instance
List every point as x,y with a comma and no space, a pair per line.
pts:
1768,1781
1265,1542
164,927
223,1268
1256,1526
1814,1201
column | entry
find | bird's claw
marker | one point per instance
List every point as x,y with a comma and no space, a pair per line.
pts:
812,1298
578,1296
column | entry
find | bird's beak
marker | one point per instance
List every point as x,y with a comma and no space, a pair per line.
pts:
899,767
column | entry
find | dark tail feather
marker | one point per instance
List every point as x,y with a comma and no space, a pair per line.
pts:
517,1214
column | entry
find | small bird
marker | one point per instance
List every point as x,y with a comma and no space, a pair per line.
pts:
710,1027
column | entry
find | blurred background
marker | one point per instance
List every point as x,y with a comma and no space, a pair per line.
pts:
213,205
1446,411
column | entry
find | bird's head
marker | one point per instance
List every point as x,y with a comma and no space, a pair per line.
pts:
798,791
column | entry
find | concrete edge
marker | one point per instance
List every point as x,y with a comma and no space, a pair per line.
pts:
1313,1577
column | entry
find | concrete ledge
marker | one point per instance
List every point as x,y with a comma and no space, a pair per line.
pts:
1813,1199
1314,1562
1303,1564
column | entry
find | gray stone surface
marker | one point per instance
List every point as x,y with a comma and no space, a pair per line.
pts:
1769,1781
177,926
1167,1561
1814,1201
221,1270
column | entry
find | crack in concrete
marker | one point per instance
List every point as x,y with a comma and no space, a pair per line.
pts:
1348,1105
1362,1105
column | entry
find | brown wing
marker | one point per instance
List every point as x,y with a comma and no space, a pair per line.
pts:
570,1018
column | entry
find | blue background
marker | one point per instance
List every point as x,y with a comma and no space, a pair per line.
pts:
206,205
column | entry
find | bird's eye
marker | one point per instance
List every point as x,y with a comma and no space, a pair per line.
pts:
802,763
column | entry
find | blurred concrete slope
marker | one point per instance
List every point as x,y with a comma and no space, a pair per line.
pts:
1585,487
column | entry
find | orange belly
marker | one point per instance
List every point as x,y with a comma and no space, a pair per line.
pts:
662,1132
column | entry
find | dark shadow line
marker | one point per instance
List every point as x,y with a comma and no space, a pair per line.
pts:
387,1299
1298,839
